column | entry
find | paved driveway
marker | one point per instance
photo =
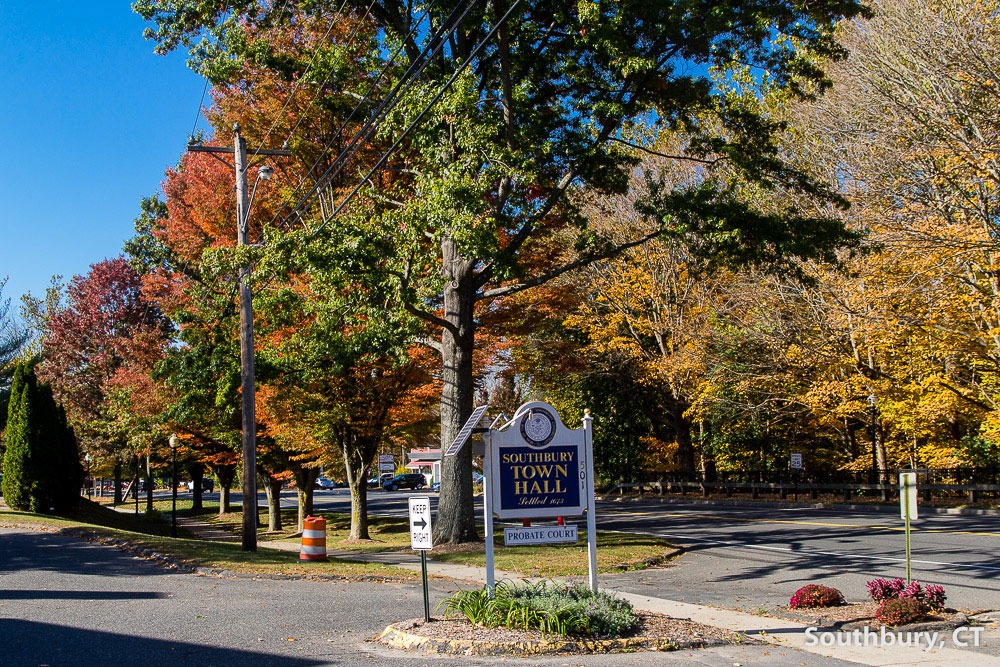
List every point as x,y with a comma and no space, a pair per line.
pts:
64,601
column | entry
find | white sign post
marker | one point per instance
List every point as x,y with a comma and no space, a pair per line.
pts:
421,540
386,463
535,466
908,508
796,462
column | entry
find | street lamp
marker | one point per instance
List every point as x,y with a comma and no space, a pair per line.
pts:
173,483
90,480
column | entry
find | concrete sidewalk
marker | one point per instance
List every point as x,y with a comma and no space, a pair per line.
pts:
779,632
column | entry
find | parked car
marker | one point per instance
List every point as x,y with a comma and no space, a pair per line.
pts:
376,482
324,483
207,485
477,478
408,480
435,486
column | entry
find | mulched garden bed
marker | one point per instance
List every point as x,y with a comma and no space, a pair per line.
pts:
457,636
860,614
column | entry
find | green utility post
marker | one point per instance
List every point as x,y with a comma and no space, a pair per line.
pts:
908,508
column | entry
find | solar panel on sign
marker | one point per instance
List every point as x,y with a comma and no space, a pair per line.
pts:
466,431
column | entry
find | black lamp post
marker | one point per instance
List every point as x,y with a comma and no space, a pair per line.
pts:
173,484
90,480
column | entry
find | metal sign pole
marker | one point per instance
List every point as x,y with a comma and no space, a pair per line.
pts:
423,574
907,510
591,518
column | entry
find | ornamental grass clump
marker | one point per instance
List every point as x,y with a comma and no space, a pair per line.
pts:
900,611
561,610
816,595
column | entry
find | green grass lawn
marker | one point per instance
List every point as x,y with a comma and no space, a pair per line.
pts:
154,533
615,551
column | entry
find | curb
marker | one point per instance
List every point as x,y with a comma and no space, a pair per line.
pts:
914,627
860,623
785,505
396,636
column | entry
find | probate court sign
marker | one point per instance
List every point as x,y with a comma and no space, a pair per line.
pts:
538,466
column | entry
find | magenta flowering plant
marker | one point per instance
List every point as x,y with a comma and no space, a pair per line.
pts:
816,595
932,596
885,589
900,611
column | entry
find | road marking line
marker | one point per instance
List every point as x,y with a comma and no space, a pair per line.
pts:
801,523
766,547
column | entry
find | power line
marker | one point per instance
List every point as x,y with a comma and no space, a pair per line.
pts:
465,64
420,116
406,81
198,114
298,84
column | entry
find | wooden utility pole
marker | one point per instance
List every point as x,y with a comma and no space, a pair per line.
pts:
239,153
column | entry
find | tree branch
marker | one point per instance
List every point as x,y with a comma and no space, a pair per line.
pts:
545,277
665,155
964,397
429,342
404,286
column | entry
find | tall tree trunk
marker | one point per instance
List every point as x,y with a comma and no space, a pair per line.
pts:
456,520
358,483
197,471
226,474
708,469
149,485
682,431
118,483
305,483
272,486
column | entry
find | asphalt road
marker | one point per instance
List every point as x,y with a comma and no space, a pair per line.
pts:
64,601
754,557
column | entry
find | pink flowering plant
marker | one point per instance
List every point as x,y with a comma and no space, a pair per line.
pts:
931,596
900,611
816,595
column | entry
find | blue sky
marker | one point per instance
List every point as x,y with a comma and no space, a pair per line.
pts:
91,118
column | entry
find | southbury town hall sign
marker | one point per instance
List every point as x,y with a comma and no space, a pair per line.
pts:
535,467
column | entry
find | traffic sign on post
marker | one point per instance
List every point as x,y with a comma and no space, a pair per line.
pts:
908,508
796,462
908,495
420,524
421,540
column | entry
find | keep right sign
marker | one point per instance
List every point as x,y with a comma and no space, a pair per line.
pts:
420,524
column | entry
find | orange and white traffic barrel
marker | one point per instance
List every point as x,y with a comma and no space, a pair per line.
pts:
313,539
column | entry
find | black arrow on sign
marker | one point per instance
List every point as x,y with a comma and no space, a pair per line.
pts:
421,524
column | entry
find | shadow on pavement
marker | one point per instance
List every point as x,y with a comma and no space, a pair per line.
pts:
32,594
25,550
32,643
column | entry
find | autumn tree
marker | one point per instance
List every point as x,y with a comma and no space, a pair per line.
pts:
538,115
100,323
